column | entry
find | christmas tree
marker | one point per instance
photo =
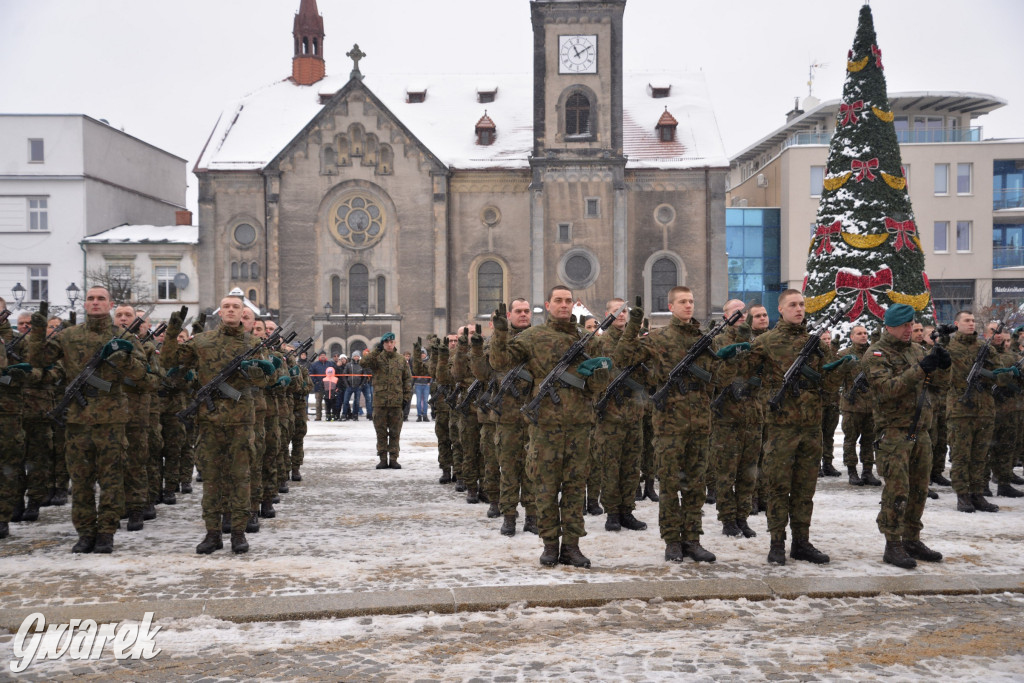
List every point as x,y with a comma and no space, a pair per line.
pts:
865,254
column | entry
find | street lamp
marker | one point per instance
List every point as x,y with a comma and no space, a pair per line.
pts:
18,292
73,291
328,309
344,346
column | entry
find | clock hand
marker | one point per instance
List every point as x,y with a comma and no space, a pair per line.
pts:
577,52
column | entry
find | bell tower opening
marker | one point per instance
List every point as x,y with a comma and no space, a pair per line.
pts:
308,65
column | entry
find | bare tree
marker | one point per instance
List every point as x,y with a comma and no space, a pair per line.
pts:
123,283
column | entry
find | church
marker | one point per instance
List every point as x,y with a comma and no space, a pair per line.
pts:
372,203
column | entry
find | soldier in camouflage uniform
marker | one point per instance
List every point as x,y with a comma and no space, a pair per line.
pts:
303,387
829,422
937,390
285,415
226,440
793,434
172,400
559,450
1005,439
158,493
481,370
96,445
259,431
857,422
267,488
12,445
57,465
438,363
392,391
470,465
758,320
897,373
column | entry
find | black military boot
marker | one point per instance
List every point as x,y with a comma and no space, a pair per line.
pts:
639,492
1014,479
696,552
47,500
983,505
238,542
135,522
149,512
212,541
869,478
60,496
649,492
394,464
829,470
31,513
199,476
530,525
19,509
492,511
731,529
460,486
104,544
549,558
932,493
85,544
446,476
170,498
296,475
964,503
712,496
896,555
777,552
5,529
382,463
803,550
628,521
283,487
482,495
225,523
186,487
1004,490
612,523
744,528
855,479
267,510
940,480
593,507
276,499
572,556
919,551
508,527
472,495
252,526
674,551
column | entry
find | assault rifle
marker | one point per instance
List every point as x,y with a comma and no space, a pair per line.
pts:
735,389
483,401
617,389
220,384
467,397
978,369
560,373
508,385
10,346
799,367
687,366
300,349
860,386
452,397
441,391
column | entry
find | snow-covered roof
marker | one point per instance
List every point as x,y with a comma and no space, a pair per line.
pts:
146,234
253,130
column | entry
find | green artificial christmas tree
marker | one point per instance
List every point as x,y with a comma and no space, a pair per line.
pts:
865,254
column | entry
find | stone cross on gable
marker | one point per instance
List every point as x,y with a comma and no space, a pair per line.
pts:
355,54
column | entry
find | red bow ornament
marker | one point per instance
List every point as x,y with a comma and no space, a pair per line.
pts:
903,232
826,232
863,168
878,56
866,286
849,112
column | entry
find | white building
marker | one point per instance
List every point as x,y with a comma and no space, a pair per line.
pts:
64,177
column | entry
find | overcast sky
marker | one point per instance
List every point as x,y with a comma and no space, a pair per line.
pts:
164,69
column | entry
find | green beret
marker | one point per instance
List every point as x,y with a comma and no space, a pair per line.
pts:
390,336
898,315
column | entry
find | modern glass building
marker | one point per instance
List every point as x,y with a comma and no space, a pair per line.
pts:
752,239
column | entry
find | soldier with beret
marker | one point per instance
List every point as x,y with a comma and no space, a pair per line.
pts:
392,390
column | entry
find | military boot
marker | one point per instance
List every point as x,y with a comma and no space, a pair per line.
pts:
530,525
1004,490
186,487
267,510
983,505
446,476
712,496
85,544
696,552
492,511
987,491
19,509
919,551
283,487
135,522
5,529
211,542
964,503
472,495
296,475
612,523
572,556
383,461
47,499
170,498
508,527
896,555
639,492
549,558
593,507
649,492
744,528
238,542
940,480
829,470
60,496
855,479
730,528
803,550
31,513
932,493
628,521
252,526
869,478
149,512
394,464
777,552
1014,479
460,486
482,495
199,476
104,544
225,523
673,551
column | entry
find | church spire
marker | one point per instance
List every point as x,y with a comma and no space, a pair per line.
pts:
308,65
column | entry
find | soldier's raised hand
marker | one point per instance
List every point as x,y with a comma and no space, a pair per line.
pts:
39,317
500,318
476,339
636,314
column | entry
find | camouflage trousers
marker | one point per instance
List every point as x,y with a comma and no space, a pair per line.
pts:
470,469
188,453
97,454
647,470
12,451
259,449
225,451
858,426
60,463
173,433
905,467
1005,444
387,422
38,476
761,487
791,460
456,444
617,446
969,441
595,478
556,465
829,422
270,448
489,457
444,442
937,436
299,438
136,469
287,425
154,471
510,443
737,445
680,457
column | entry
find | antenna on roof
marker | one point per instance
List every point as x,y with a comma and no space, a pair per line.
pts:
815,65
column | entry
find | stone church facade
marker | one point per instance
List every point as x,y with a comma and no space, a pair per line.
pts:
378,203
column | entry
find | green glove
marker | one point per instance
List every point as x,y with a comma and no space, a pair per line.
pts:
476,339
115,345
190,376
636,314
588,366
500,318
39,317
174,324
727,352
265,365
1003,371
18,369
836,363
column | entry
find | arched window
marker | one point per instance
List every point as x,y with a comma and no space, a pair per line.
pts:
577,115
252,295
245,271
385,160
489,286
664,276
234,270
381,293
336,349
336,294
254,270
358,288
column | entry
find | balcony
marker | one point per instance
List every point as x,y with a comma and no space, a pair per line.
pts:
1010,198
972,134
1007,257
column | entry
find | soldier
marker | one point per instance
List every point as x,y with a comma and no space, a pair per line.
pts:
96,445
559,450
267,487
898,372
757,318
303,386
158,492
438,363
857,422
444,377
226,439
285,411
829,421
937,390
470,466
487,419
12,445
172,399
1005,439
392,390
793,432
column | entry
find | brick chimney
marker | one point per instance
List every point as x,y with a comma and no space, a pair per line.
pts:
308,65
183,217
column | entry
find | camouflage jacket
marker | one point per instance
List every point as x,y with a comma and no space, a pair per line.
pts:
895,381
632,407
1008,393
963,348
542,347
39,388
862,401
443,384
743,403
484,369
74,347
939,385
392,378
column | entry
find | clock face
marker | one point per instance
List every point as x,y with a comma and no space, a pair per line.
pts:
577,54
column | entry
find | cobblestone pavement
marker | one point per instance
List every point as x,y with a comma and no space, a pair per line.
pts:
887,637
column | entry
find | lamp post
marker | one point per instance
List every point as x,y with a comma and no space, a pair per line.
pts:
18,292
73,291
344,345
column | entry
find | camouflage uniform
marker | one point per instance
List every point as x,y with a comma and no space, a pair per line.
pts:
438,363
171,397
481,370
470,466
829,422
137,487
12,445
970,424
857,421
303,385
1005,438
37,394
392,388
937,390
286,420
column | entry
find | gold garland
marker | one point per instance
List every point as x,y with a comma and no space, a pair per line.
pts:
813,304
918,243
854,67
918,301
864,241
893,181
886,116
837,182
